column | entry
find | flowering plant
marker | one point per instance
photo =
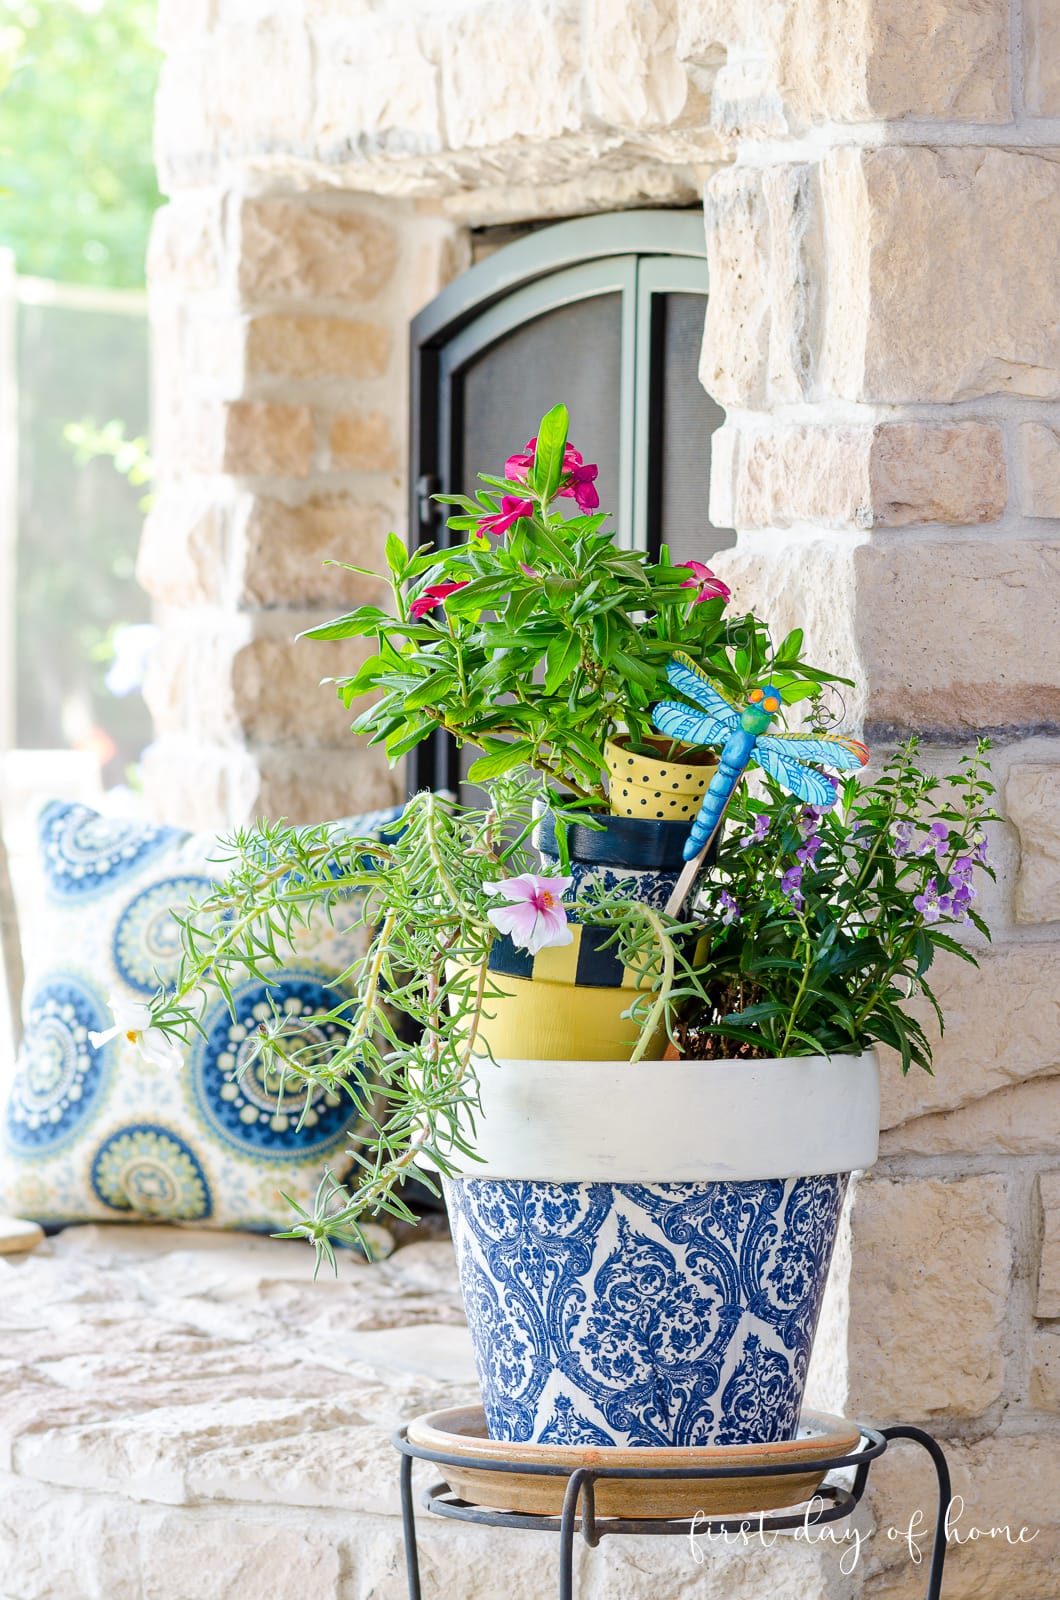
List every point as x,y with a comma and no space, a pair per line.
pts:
537,638
821,925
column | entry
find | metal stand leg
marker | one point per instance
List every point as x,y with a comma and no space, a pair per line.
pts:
942,1474
408,1525
579,1484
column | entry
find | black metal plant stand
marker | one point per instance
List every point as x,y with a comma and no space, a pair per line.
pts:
832,1501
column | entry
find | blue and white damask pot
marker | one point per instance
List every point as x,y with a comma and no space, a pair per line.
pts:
643,1249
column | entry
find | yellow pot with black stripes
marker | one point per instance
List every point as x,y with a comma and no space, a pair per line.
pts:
567,1002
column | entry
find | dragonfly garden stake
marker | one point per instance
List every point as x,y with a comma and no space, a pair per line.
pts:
744,739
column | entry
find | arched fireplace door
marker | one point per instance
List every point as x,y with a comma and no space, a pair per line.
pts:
605,313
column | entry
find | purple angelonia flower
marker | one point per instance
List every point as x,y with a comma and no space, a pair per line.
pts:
728,908
809,850
962,871
758,831
931,904
979,849
962,897
809,817
903,837
791,885
935,839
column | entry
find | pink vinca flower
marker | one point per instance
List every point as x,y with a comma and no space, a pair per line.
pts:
709,587
511,510
534,915
433,596
579,474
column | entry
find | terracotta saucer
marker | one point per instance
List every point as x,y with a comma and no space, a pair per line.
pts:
462,1432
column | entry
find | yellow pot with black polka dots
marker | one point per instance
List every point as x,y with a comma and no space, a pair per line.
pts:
657,789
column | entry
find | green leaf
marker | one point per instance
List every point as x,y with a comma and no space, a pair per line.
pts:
561,658
790,647
547,470
365,620
396,554
514,755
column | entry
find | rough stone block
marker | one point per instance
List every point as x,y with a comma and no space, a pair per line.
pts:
292,249
961,635
929,243
316,347
929,1288
488,97
1020,1121
999,1483
258,79
363,442
202,1557
1041,22
267,440
921,473
760,339
1032,801
191,784
1045,1369
181,556
891,475
325,783
1040,460
635,77
1002,1028
281,551
378,86
944,59
1048,1300
277,694
186,248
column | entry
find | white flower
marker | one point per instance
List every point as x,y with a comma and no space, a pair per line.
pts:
135,1021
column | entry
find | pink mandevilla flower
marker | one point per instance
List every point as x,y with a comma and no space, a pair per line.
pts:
433,596
708,587
511,510
534,916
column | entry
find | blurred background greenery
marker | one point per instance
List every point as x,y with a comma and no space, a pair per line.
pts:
79,192
75,132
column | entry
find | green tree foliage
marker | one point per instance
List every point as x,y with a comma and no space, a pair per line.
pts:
75,137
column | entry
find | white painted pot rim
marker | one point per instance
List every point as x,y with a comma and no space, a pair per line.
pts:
675,1121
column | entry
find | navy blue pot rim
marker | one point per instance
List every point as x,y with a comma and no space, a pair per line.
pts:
641,844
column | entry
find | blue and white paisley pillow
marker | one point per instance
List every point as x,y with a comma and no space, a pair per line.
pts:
97,1135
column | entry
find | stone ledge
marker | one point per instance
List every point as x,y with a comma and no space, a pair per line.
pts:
187,1416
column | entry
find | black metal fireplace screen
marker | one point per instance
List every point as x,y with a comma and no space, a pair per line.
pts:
605,313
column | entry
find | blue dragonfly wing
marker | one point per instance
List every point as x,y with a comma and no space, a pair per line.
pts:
691,727
690,679
830,749
802,781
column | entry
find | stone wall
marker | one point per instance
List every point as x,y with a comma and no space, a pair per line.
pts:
882,200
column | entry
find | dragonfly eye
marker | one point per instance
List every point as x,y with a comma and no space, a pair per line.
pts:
772,704
755,696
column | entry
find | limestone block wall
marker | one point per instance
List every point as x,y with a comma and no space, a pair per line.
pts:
882,333
881,188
